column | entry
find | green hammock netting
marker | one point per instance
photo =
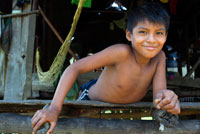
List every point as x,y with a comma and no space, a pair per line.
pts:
49,77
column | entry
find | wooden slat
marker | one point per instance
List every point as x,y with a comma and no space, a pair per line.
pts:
85,104
15,69
184,105
184,82
93,109
2,70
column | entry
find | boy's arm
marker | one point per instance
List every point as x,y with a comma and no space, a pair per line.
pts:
163,98
109,56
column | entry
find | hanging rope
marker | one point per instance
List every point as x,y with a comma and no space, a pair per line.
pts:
49,77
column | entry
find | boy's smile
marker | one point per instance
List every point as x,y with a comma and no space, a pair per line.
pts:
147,39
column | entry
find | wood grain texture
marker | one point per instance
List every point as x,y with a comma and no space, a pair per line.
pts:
14,123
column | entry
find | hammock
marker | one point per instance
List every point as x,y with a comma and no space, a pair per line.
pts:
49,77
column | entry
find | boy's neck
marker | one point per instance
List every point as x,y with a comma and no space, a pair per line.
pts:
140,60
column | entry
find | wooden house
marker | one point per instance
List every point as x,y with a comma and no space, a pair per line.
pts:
26,25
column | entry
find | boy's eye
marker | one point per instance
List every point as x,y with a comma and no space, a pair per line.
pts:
159,33
142,32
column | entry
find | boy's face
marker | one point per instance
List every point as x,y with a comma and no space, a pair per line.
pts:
147,38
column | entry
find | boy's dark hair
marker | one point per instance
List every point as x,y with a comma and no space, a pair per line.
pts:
151,11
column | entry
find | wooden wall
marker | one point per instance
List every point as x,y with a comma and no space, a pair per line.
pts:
20,57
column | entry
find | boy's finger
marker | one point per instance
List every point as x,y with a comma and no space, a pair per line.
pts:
172,104
163,102
176,109
38,125
34,116
52,126
157,101
158,98
35,120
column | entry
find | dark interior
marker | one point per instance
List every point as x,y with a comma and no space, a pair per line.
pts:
96,29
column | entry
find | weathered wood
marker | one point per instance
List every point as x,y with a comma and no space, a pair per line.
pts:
184,82
14,123
13,80
193,68
94,109
2,71
37,86
180,91
19,14
28,38
20,58
184,105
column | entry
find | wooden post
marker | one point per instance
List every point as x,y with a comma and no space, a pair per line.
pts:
20,57
2,63
14,123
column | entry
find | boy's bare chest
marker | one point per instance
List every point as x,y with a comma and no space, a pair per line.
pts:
124,83
132,76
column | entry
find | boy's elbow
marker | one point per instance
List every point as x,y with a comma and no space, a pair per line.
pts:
72,69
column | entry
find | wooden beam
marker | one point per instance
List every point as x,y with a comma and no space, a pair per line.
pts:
69,103
14,123
184,82
2,71
93,109
194,67
19,14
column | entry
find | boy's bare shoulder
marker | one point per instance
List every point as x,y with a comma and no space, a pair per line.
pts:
124,49
159,57
122,46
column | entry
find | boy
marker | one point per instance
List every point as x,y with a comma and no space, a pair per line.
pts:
128,72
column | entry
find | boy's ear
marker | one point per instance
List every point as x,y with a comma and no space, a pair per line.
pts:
166,34
128,35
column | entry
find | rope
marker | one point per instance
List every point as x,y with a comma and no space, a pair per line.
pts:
49,77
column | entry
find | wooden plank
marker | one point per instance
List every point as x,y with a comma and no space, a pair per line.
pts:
19,14
28,38
2,63
184,82
15,67
180,91
20,58
96,110
37,86
184,105
34,105
14,123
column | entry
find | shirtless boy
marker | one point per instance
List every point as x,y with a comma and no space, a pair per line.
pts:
128,70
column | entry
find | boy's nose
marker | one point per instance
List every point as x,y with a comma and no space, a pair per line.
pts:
150,38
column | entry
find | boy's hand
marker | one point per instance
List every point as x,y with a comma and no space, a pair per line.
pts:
42,116
167,100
